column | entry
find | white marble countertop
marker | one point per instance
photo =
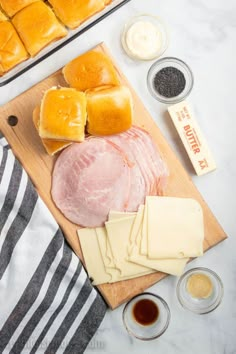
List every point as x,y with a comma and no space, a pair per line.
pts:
202,34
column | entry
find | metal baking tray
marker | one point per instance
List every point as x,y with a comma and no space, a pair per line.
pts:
53,47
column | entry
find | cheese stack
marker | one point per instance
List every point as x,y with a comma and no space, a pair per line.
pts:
161,236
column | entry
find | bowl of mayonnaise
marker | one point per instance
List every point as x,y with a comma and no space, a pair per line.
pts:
145,37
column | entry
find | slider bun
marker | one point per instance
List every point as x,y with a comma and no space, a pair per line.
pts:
90,70
38,26
74,12
12,50
51,146
63,115
11,7
2,16
109,110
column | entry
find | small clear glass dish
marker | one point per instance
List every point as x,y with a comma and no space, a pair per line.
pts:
175,63
162,31
146,331
200,305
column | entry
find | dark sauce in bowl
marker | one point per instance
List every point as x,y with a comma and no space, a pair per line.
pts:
145,312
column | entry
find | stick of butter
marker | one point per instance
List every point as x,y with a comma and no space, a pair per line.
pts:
192,138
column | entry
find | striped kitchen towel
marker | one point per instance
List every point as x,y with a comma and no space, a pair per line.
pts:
47,303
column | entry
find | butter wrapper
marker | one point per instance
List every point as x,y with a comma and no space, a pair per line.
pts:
192,138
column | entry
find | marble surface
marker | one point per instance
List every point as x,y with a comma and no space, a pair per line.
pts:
203,34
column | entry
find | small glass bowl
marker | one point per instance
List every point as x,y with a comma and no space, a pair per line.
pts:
200,305
163,31
170,62
146,332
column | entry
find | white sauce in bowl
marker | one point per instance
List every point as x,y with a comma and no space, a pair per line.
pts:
143,39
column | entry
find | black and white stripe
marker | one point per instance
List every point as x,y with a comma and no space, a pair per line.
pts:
47,304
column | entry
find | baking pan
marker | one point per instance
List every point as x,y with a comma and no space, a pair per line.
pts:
53,47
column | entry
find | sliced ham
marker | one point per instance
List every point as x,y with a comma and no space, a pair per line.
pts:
107,173
156,162
90,179
149,173
139,179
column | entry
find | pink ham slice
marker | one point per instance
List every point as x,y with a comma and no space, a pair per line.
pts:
90,179
107,173
139,179
157,165
148,170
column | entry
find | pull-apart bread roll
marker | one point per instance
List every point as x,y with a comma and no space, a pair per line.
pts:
2,16
109,110
63,115
12,50
38,26
11,7
51,146
73,12
90,70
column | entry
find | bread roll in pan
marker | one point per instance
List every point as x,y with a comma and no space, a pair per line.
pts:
52,48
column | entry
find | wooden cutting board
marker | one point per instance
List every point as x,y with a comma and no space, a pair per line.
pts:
27,146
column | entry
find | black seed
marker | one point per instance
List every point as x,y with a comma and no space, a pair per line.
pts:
169,82
12,120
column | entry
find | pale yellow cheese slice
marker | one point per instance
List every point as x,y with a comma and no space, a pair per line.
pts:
109,263
170,266
105,249
118,232
135,229
103,239
175,227
93,257
94,261
113,215
144,239
119,214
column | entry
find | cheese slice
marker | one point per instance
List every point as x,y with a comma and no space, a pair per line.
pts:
105,249
118,232
144,239
119,214
108,261
103,239
175,227
135,229
93,257
114,215
170,266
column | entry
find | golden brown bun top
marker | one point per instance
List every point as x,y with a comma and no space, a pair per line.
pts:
38,26
74,12
11,7
90,70
63,114
109,109
50,145
12,50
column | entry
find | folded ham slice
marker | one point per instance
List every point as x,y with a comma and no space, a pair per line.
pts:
107,173
158,167
90,179
148,170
